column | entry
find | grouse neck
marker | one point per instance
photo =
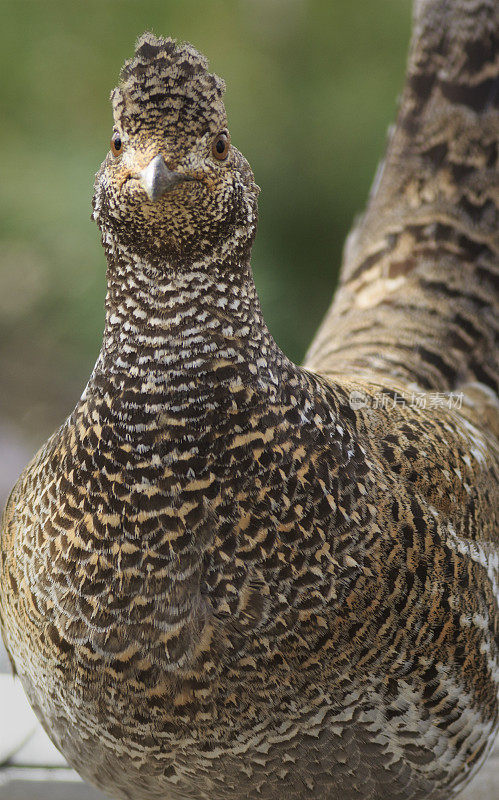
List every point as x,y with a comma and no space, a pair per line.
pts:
204,318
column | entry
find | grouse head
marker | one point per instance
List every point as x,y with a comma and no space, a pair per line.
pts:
173,189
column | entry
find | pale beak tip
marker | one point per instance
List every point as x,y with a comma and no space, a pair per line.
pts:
156,179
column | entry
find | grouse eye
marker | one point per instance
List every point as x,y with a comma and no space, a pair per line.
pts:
220,146
116,144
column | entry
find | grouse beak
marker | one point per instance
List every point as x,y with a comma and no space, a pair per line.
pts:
157,179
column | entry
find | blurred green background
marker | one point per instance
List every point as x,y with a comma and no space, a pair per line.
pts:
311,88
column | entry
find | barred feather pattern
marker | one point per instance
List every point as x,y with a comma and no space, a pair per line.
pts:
418,296
223,578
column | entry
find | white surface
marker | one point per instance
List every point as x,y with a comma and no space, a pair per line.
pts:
23,742
18,722
38,784
38,752
4,660
486,784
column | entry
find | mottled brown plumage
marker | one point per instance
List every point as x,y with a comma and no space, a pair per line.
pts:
227,576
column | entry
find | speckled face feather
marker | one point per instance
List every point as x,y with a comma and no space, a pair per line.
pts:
222,579
168,83
169,104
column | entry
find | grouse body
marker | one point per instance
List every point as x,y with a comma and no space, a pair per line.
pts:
227,576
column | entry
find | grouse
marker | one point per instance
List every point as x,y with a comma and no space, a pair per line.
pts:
227,576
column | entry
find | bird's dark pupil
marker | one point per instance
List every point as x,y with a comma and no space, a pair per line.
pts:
117,143
220,146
